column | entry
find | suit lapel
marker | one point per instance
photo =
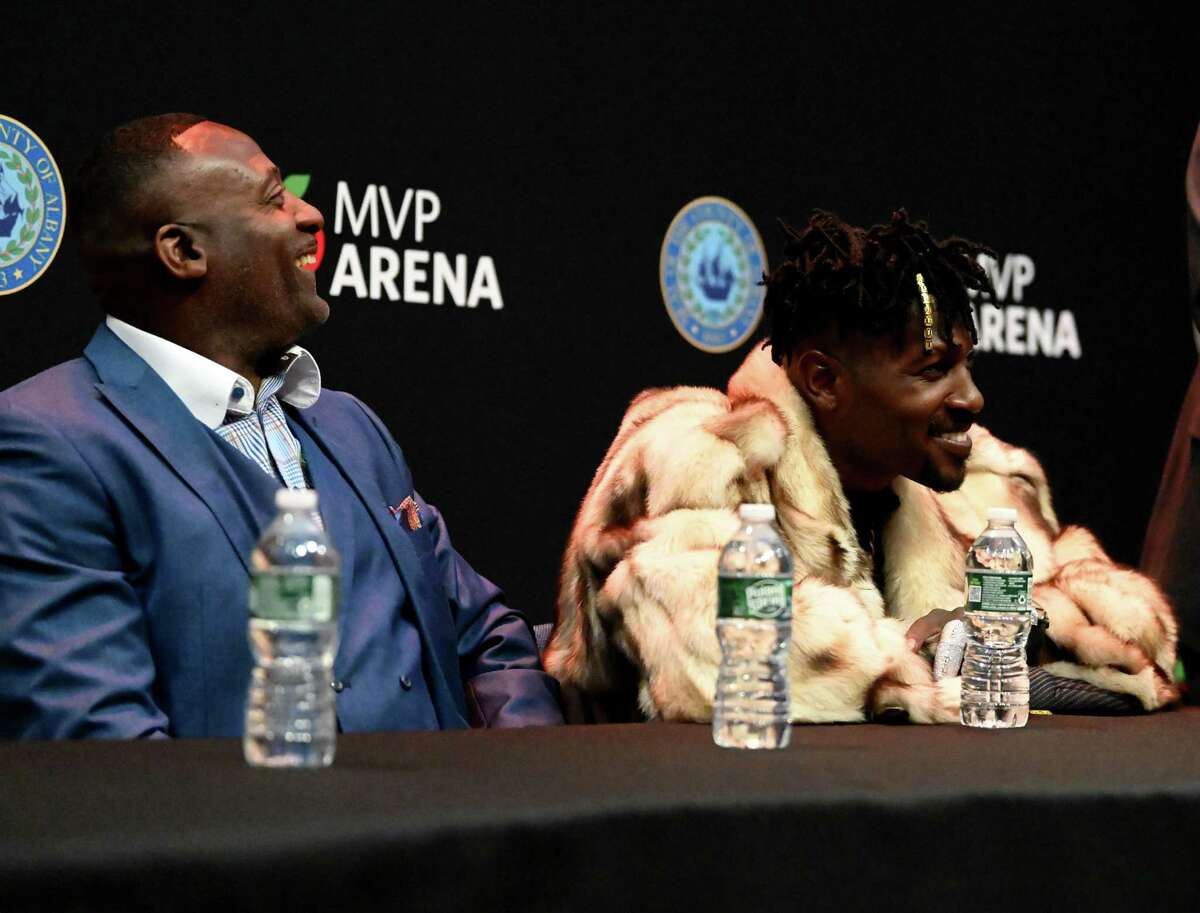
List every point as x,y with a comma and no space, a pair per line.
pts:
431,614
153,411
336,514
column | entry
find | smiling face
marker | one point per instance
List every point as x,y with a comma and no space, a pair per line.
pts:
253,234
887,411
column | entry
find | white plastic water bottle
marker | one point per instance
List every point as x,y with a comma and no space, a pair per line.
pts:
754,626
995,676
290,716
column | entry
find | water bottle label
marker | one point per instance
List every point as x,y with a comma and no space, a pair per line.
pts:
294,597
764,598
998,591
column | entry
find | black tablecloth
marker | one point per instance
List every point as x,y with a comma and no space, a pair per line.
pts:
1071,813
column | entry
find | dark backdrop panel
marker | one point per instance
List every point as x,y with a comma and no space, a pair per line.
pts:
561,141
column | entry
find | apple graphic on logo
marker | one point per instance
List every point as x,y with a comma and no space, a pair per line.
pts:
298,184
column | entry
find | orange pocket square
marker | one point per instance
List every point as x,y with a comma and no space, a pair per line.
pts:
412,514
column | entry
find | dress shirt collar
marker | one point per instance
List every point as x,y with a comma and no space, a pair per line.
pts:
209,390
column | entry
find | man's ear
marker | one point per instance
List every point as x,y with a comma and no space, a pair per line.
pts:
819,378
179,250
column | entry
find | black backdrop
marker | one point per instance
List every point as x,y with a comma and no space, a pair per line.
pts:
560,140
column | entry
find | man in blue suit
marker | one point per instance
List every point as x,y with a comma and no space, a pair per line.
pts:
135,480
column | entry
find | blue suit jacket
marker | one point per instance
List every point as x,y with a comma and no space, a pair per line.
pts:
124,541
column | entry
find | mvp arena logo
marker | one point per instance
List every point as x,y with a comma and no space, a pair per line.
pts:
380,252
1013,325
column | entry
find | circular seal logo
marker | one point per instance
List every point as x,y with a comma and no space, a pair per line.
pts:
711,261
33,207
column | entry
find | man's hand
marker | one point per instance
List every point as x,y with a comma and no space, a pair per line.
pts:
930,626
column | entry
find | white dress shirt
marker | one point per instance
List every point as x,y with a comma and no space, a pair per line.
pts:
225,402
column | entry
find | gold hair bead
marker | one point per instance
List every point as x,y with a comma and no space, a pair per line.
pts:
927,302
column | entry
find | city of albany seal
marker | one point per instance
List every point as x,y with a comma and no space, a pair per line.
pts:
711,261
33,206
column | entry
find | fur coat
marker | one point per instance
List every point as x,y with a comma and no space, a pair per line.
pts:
635,629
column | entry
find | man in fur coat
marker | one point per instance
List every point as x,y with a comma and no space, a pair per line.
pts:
856,420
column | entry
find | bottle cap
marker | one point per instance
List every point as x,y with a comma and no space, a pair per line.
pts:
295,499
1003,514
757,513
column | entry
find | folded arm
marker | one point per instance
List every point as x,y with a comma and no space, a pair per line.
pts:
1108,624
658,604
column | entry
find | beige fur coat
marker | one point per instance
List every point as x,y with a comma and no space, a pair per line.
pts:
637,608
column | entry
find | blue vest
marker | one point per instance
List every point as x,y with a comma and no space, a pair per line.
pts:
379,648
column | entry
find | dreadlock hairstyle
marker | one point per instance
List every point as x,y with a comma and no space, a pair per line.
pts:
864,280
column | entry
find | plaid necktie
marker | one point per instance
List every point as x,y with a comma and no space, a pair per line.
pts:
263,435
